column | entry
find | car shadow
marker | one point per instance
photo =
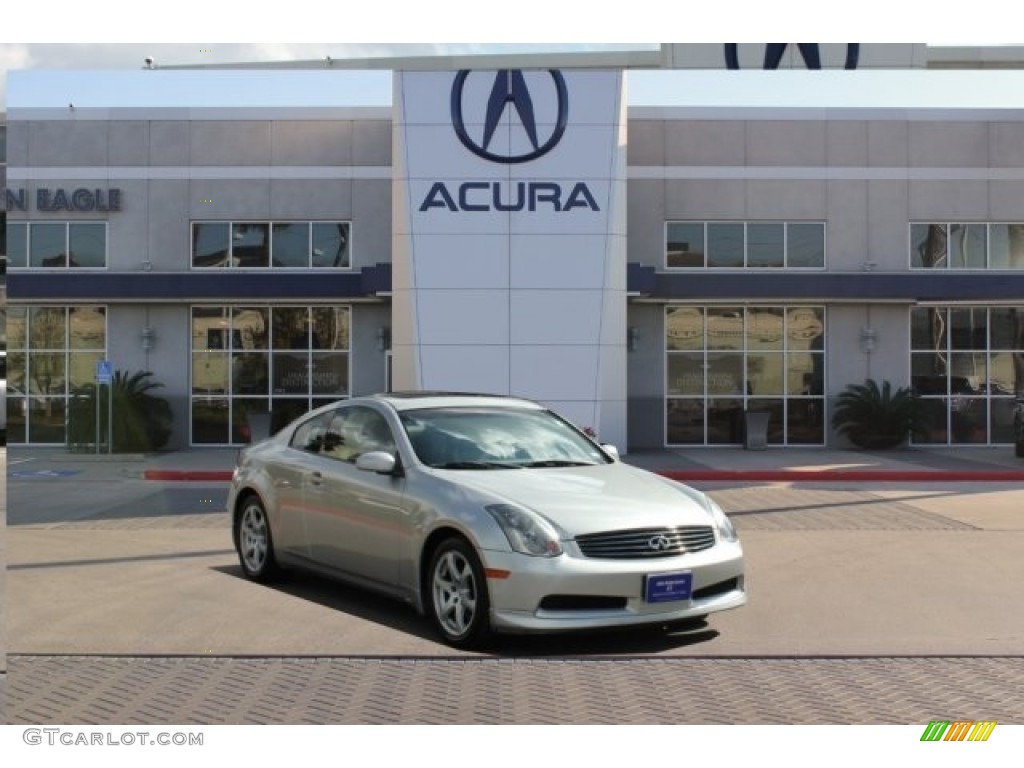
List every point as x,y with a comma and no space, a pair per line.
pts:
393,614
360,603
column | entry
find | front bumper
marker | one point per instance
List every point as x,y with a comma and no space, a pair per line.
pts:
607,593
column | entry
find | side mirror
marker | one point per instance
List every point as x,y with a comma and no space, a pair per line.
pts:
611,450
381,462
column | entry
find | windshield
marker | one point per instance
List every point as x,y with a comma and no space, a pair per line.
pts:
497,438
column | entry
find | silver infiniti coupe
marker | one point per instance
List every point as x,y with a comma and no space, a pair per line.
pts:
488,514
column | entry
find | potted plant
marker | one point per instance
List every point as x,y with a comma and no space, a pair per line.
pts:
877,417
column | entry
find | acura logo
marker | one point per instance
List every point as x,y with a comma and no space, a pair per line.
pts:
660,543
510,92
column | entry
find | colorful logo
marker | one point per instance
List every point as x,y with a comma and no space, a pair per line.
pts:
958,730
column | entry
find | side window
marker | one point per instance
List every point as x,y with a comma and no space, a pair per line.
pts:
355,431
311,435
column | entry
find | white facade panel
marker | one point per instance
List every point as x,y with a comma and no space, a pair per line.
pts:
540,317
443,261
463,368
464,316
555,371
558,261
494,167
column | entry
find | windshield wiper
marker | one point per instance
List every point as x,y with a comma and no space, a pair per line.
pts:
476,465
558,463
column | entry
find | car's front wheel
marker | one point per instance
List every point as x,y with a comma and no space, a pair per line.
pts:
253,541
457,598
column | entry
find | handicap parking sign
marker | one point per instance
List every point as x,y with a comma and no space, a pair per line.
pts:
104,371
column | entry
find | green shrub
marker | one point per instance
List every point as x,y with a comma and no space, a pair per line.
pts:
874,417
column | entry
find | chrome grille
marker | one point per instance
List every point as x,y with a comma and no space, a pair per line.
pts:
647,542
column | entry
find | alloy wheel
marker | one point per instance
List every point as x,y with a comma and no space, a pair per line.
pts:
455,593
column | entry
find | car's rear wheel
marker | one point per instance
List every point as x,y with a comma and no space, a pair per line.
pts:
457,598
253,541
1019,450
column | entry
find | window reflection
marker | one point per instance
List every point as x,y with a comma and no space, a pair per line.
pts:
685,245
53,354
749,358
211,244
88,245
725,245
805,246
1006,246
967,246
88,327
291,244
283,359
735,244
967,366
684,328
330,328
48,245
250,245
17,244
330,244
765,245
263,244
725,328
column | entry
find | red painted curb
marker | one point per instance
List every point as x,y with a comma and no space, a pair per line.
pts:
852,476
720,475
200,475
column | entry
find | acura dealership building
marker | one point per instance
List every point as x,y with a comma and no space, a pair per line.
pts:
653,271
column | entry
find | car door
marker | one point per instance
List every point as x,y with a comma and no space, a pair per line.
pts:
357,520
289,473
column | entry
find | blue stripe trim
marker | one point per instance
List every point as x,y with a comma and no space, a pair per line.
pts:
646,281
186,286
825,286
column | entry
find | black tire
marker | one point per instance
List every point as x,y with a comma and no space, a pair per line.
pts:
456,595
1018,450
253,541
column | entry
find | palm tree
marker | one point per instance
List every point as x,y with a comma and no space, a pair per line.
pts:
874,417
140,421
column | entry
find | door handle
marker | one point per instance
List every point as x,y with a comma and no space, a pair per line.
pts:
315,478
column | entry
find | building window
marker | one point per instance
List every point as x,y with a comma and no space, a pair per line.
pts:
744,245
261,244
281,360
52,356
966,246
57,245
724,361
967,365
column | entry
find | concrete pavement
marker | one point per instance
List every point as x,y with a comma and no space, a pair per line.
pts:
869,602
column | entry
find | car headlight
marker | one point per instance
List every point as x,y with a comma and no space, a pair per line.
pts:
526,532
722,523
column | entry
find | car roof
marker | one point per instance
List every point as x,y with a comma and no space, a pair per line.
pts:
407,401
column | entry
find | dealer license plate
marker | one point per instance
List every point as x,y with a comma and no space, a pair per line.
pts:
665,587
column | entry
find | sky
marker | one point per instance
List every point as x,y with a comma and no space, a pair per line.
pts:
75,36
48,75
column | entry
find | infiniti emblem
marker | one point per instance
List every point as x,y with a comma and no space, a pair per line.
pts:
660,543
510,89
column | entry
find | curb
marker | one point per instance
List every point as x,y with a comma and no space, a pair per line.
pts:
193,475
719,475
847,476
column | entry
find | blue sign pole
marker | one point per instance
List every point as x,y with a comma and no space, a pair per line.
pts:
104,375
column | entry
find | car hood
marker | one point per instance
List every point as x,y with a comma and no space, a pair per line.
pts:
591,499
